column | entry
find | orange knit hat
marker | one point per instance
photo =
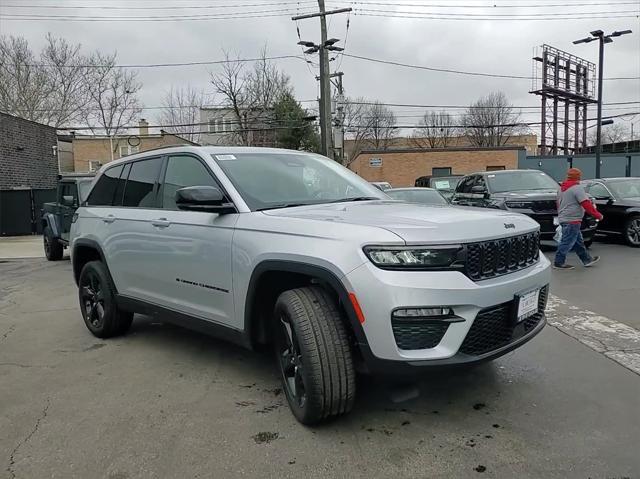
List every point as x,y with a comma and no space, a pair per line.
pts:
574,174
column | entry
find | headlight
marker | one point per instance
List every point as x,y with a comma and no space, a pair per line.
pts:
419,257
520,205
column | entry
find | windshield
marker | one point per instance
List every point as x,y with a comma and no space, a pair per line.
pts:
278,180
626,189
520,180
445,183
424,196
83,189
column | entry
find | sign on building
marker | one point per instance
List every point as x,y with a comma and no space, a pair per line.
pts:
375,162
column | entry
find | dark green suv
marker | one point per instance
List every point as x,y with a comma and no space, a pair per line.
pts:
56,216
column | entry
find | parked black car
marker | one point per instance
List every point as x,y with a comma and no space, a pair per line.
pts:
530,192
618,199
444,184
424,196
56,217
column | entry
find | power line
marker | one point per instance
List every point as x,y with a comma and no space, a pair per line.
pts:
496,15
459,72
389,14
155,7
493,6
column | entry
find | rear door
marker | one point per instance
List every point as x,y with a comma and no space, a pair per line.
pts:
132,249
195,247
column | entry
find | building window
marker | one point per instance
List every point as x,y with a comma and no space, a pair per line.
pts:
126,150
441,171
495,168
94,165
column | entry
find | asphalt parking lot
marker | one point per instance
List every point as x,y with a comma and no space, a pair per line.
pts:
166,402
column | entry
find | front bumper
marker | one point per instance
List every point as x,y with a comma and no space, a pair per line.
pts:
379,292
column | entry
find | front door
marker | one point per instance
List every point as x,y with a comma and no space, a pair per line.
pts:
196,275
67,205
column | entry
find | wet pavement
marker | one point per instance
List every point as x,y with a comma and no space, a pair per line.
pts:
166,402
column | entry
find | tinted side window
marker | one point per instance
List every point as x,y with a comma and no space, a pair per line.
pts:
102,192
140,187
117,196
183,171
597,190
465,185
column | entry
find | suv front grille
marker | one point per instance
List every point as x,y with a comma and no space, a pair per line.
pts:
489,259
495,327
418,335
545,205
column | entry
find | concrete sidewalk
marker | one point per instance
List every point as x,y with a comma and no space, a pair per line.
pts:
12,247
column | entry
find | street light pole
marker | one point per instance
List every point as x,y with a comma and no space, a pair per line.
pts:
599,127
602,39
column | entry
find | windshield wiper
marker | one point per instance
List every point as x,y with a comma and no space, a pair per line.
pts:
356,198
283,205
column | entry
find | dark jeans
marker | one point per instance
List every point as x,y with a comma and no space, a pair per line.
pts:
571,241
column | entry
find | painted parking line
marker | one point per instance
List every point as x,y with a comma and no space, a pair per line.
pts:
615,340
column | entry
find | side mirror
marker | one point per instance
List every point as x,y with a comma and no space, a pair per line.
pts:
68,200
203,198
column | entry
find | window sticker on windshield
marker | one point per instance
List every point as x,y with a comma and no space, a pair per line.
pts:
491,176
440,185
225,157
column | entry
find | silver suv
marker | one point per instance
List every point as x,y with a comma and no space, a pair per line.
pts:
267,246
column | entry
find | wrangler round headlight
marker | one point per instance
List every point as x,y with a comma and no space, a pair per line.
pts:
410,257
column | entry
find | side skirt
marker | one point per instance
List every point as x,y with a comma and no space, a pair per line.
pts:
195,323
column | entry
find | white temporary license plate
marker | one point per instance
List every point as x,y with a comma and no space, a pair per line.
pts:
528,304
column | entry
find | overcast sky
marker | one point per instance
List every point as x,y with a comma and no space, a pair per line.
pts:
494,46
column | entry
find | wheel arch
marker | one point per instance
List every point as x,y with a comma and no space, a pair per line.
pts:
272,277
48,219
85,250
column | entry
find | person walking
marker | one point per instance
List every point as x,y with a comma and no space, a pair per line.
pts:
573,202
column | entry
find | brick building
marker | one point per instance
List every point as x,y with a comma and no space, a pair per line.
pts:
92,151
401,167
28,154
528,141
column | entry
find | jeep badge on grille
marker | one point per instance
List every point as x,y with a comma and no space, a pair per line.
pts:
509,226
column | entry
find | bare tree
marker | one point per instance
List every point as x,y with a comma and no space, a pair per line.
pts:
25,87
112,93
182,107
250,94
355,115
491,121
382,124
368,125
435,130
67,71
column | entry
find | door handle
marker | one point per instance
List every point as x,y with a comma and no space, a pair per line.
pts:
161,222
109,219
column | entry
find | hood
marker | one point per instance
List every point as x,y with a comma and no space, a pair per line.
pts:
566,184
416,223
549,194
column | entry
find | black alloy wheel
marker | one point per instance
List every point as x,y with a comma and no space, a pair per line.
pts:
92,299
632,231
290,362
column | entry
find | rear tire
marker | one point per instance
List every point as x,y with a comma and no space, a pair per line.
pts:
631,231
314,355
96,293
53,249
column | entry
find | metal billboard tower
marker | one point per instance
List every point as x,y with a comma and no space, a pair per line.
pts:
565,84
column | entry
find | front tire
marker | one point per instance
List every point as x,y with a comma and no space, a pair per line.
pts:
53,249
314,355
632,231
98,302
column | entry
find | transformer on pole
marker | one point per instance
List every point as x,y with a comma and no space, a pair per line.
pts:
565,84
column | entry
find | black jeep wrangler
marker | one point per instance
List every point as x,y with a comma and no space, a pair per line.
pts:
56,217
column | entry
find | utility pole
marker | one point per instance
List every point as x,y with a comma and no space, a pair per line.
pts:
602,39
325,46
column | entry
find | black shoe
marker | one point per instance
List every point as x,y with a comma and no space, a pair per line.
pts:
563,266
593,261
